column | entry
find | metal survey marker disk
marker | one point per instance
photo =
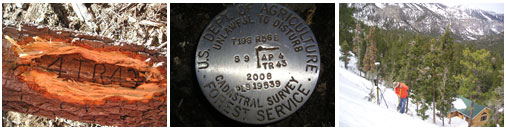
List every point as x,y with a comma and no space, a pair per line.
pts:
257,63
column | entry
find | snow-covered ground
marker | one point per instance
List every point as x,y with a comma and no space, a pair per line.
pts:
356,110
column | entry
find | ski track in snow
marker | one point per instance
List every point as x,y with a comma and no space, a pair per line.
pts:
355,110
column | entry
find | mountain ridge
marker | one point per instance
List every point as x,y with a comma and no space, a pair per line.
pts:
431,18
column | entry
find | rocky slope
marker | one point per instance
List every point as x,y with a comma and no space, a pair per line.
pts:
431,18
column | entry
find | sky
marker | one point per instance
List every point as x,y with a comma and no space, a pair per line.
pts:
495,7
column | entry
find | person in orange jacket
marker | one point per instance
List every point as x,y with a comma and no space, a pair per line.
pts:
401,90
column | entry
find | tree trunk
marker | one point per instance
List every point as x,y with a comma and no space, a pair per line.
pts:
357,40
443,119
71,86
417,106
407,103
443,92
450,120
470,121
442,108
434,106
409,93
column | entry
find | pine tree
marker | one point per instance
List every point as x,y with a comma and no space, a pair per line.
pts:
421,112
495,94
433,63
446,89
496,102
413,66
370,54
420,75
346,22
345,54
357,44
476,65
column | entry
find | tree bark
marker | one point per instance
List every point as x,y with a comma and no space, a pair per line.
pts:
434,106
443,119
450,120
417,106
409,93
356,39
58,84
470,121
407,102
443,93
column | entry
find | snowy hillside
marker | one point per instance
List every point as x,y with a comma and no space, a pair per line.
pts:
356,110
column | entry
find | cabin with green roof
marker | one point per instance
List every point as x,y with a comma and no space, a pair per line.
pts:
480,113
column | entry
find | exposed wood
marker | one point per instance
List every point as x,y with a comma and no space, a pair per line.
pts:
66,74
